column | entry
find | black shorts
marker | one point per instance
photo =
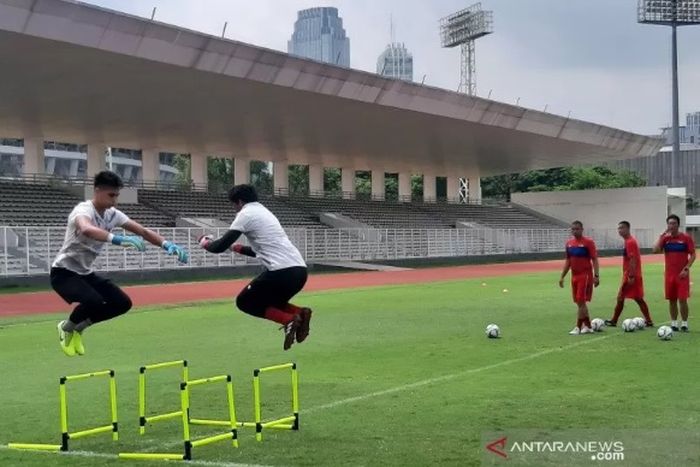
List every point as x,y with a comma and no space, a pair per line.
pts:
271,288
99,298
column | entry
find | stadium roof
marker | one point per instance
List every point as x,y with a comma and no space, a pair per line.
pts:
78,73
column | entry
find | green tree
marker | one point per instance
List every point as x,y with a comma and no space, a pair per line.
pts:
417,187
391,187
299,179
363,184
261,176
220,174
332,181
561,179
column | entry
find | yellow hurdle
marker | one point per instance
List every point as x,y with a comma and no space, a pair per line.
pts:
63,409
143,419
184,411
285,423
231,423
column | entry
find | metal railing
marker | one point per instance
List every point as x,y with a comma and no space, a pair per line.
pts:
31,250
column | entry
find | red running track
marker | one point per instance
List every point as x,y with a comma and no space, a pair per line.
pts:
48,302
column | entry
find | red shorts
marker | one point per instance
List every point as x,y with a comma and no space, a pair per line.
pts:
582,288
634,291
677,288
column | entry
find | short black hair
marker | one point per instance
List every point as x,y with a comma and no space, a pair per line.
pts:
673,216
625,223
108,179
245,193
579,223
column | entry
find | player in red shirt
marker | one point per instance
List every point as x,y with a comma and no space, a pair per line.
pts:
679,255
582,259
632,281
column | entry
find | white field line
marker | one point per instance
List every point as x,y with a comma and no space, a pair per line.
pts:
441,379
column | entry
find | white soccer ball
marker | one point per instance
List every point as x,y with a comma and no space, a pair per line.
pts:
597,324
493,331
628,325
665,333
639,323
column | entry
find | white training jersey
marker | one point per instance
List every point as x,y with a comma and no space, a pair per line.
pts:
79,251
267,237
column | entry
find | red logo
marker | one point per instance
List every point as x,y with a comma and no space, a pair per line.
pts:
498,447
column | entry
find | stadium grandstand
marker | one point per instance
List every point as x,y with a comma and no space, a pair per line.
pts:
176,91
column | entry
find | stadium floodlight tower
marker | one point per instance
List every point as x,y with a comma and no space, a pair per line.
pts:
463,28
672,13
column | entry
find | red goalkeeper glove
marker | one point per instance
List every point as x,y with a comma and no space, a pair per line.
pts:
204,241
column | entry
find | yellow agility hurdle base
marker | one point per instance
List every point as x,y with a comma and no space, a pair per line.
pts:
65,434
143,419
285,423
188,443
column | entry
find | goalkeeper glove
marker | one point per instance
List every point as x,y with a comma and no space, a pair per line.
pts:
128,241
176,250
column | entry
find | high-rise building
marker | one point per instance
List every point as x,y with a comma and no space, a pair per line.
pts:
319,35
396,62
689,134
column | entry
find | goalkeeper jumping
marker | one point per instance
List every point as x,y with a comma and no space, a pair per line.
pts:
268,295
89,228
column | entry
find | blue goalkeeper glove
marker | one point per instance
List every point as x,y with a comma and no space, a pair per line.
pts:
176,250
129,241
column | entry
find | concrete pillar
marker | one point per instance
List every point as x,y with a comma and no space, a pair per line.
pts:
96,161
429,188
347,182
378,184
452,189
315,180
241,171
33,156
150,165
198,170
404,186
280,177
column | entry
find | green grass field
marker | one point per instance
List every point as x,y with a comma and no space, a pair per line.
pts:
400,375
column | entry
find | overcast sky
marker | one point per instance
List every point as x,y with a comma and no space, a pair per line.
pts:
590,57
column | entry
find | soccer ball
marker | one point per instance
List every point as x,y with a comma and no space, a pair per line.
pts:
639,322
597,324
665,333
628,325
493,331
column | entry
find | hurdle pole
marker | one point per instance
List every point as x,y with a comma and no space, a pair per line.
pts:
64,413
35,447
232,410
113,405
295,396
256,402
185,408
